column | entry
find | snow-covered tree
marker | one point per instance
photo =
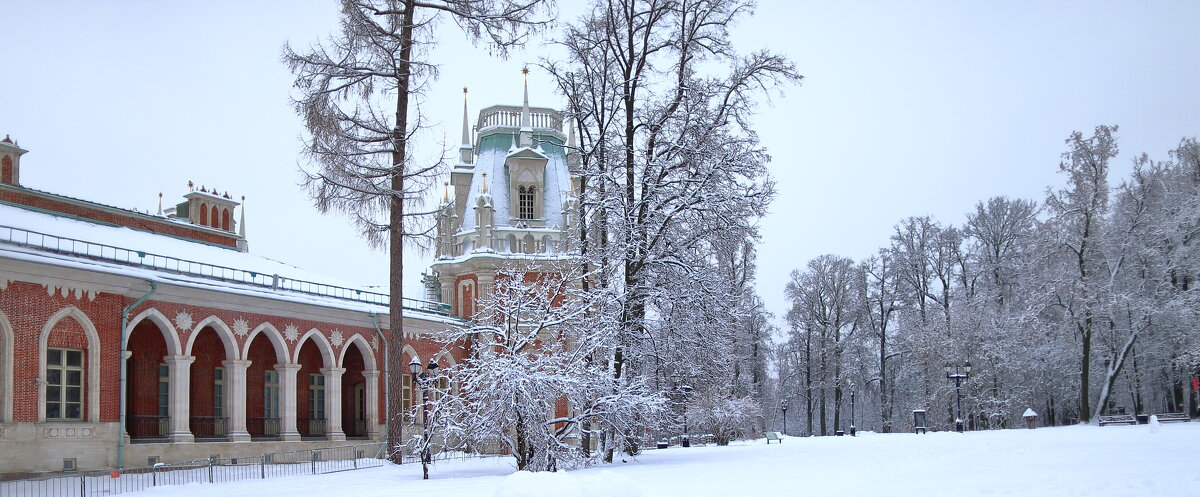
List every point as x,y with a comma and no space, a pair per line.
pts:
355,95
539,376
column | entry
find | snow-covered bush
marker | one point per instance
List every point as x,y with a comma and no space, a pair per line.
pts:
726,418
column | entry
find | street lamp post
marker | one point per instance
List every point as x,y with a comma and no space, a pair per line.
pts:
684,389
784,405
852,428
423,379
958,374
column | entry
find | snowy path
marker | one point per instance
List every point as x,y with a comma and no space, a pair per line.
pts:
1060,462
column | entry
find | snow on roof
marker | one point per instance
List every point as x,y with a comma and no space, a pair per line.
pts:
108,246
492,161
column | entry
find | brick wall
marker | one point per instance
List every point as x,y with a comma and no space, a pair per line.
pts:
147,347
114,215
29,308
209,353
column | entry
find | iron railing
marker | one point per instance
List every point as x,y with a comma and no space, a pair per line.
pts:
214,470
148,428
209,427
263,427
141,258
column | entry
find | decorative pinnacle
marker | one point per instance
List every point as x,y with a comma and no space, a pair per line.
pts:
466,131
525,119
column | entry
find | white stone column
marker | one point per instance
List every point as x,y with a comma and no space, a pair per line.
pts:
179,394
287,401
235,399
333,404
371,404
125,355
448,291
486,282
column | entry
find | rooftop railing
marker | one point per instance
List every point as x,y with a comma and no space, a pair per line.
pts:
141,258
510,115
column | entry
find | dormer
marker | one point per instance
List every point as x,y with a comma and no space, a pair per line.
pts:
10,162
208,208
527,186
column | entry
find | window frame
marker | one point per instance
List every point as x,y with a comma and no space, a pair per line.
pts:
62,370
316,396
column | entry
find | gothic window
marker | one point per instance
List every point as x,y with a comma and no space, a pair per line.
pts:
270,394
164,391
215,222
406,395
203,214
218,392
64,385
225,219
316,396
525,201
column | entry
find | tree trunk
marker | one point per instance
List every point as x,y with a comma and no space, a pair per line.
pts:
395,361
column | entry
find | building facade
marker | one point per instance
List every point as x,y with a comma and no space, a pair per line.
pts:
128,338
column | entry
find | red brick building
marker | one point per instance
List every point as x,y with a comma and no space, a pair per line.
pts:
225,353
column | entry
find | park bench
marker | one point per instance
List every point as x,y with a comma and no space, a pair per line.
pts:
773,435
1171,417
1116,419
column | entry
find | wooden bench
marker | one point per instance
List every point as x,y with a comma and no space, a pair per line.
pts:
1173,417
773,435
1118,419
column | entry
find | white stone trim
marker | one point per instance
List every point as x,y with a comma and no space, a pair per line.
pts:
93,359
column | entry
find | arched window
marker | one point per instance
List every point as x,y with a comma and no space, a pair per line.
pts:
6,170
525,201
214,216
225,219
203,214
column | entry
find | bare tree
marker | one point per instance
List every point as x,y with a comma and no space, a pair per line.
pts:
668,152
530,382
1077,215
355,95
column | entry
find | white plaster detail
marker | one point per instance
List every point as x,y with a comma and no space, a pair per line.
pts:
336,338
374,343
291,332
68,432
184,321
69,291
241,327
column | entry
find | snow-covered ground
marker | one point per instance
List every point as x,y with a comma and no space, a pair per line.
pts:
1145,460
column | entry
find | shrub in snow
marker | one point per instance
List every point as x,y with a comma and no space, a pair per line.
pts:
726,418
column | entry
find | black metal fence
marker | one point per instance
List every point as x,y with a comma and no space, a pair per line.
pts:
214,470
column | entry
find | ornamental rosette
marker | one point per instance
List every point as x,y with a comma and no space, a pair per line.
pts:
336,338
184,321
291,332
241,327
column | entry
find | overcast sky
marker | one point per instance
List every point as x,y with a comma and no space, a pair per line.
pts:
906,109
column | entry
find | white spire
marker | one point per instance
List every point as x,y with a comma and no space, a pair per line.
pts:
466,132
242,222
466,152
526,119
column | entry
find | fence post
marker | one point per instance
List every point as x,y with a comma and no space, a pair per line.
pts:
262,465
210,470
313,458
354,454
82,486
